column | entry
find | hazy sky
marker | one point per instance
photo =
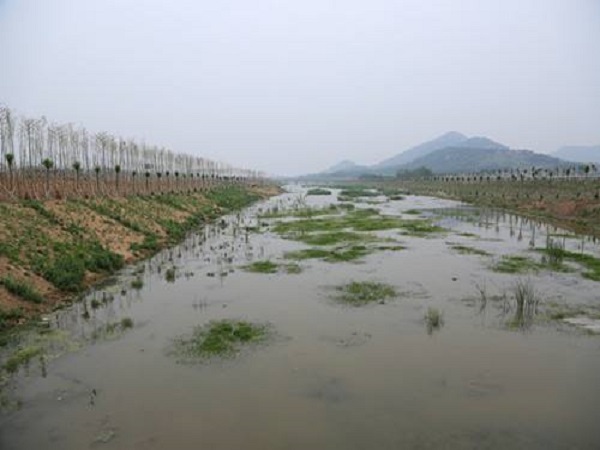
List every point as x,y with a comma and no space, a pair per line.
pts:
295,86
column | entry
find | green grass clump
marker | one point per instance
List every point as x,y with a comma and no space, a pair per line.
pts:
434,319
292,268
333,238
262,267
137,283
342,254
414,212
358,192
220,338
170,274
21,357
8,318
318,191
515,264
466,250
359,293
21,289
420,228
591,263
126,322
150,244
231,197
357,220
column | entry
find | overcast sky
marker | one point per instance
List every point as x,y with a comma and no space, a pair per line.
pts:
295,86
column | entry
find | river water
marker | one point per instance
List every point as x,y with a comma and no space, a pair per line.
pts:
374,377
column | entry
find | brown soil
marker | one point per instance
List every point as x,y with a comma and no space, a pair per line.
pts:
21,224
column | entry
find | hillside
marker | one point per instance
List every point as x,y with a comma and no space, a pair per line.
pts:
452,138
71,244
476,159
579,153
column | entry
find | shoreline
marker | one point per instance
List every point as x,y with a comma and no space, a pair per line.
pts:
52,252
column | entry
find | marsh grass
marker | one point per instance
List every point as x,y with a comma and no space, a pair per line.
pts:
21,357
466,250
21,289
515,264
220,338
170,275
341,254
527,302
434,319
556,254
137,283
318,191
420,228
334,238
360,293
261,267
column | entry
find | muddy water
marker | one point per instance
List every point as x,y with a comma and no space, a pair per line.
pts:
334,377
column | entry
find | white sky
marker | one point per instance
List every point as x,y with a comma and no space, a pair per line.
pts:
292,87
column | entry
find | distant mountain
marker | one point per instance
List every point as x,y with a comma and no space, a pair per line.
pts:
475,159
579,153
345,166
452,138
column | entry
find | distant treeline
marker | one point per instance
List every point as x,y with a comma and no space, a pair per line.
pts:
39,159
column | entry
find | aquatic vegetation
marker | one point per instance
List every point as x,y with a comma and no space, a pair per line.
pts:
292,268
527,302
515,264
137,283
359,192
556,254
21,357
434,319
318,191
420,228
414,212
333,238
21,289
262,267
466,250
220,338
341,254
359,293
126,322
170,274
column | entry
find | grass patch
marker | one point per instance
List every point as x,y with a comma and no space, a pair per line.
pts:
359,293
21,357
342,254
515,264
420,228
359,192
434,319
262,267
333,238
21,289
220,338
231,198
170,275
357,220
137,283
318,191
466,250
292,268
126,322
414,212
557,254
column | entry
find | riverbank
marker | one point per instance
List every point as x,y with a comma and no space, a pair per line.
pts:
570,204
52,251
